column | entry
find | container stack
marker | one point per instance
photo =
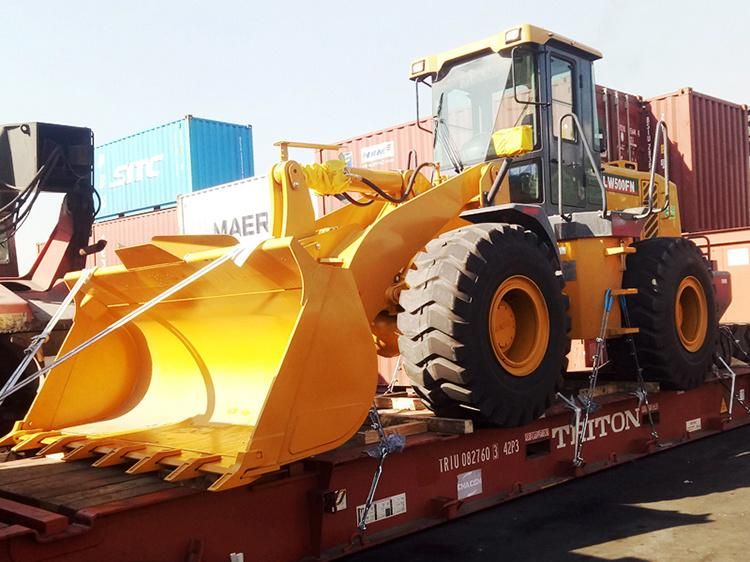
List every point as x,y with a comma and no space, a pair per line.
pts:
140,177
708,139
175,164
241,209
130,231
150,169
708,158
622,121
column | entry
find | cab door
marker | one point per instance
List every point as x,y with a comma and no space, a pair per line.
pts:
565,97
571,90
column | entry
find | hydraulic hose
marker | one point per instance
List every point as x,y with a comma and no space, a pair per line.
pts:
409,185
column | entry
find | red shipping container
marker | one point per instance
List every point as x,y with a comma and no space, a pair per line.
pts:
731,251
708,158
622,120
131,231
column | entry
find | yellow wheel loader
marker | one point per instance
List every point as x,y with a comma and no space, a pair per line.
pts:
199,357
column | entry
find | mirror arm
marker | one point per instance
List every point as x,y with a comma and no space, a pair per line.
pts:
416,96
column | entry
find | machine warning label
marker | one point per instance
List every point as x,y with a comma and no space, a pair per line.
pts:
619,184
693,425
383,509
469,484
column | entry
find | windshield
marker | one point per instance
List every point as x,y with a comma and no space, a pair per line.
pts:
473,100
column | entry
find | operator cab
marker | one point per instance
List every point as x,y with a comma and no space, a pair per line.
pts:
522,81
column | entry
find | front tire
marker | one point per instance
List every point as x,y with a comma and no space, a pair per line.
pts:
484,326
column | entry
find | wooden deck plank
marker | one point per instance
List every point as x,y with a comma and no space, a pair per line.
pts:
115,492
454,426
11,476
59,482
370,436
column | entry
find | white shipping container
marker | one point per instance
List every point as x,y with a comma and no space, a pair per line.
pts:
36,229
241,209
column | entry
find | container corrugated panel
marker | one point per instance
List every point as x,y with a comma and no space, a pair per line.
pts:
241,209
622,119
731,251
131,231
709,156
384,149
219,152
151,168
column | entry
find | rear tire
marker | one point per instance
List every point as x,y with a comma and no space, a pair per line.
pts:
675,311
484,326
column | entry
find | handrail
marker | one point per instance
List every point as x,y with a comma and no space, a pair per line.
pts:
661,128
590,156
707,253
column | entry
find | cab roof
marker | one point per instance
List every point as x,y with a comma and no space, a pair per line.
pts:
517,35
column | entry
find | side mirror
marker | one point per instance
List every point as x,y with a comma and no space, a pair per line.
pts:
519,60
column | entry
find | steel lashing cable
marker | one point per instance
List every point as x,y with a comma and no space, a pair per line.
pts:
11,385
589,405
643,394
387,444
394,377
238,254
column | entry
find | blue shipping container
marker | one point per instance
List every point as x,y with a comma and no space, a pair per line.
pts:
151,168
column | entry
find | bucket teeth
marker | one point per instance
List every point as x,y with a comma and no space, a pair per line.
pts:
118,455
58,446
16,436
33,441
151,463
85,450
191,468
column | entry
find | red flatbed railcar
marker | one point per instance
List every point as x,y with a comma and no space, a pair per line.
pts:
54,510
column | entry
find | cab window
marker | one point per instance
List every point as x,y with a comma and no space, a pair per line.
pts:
525,183
561,77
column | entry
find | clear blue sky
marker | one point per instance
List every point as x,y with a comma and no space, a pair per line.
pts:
323,71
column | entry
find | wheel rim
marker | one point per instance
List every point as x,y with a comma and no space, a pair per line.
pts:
691,314
519,325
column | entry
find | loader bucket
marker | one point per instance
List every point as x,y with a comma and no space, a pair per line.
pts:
251,367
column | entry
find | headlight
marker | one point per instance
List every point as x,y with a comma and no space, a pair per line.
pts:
513,35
